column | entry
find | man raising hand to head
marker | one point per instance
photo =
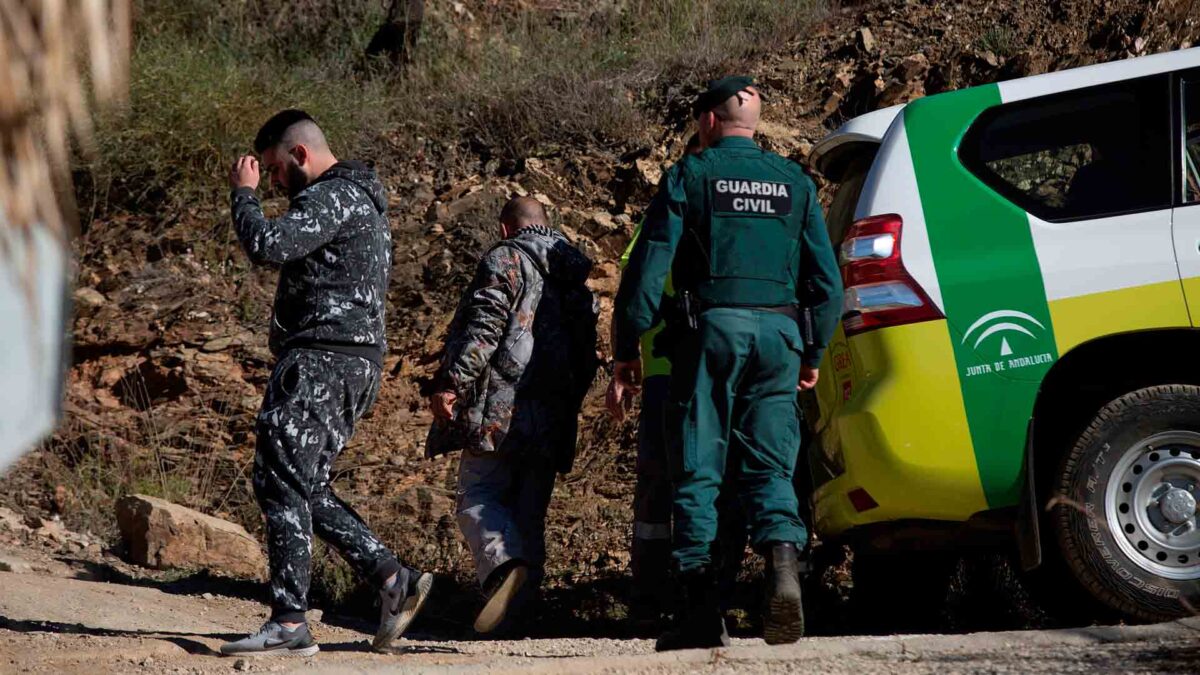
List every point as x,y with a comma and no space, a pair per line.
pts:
333,249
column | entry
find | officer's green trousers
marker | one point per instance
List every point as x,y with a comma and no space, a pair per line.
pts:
733,396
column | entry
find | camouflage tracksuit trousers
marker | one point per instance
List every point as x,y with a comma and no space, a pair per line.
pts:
308,414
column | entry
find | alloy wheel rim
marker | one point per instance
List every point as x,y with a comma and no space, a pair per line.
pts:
1150,504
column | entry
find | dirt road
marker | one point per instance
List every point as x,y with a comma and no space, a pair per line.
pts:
50,624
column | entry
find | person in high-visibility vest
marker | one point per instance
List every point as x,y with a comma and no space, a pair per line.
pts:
650,550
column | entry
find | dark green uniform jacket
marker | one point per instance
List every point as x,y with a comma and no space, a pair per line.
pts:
740,227
741,230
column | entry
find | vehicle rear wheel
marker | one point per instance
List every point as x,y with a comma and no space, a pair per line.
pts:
1125,513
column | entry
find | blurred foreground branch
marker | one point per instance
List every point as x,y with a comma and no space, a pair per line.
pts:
59,59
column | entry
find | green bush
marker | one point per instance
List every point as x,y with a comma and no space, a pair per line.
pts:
1000,40
206,73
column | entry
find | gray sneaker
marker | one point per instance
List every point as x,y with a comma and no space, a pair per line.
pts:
274,640
399,604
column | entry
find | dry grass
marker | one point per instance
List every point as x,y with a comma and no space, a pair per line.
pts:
511,82
180,459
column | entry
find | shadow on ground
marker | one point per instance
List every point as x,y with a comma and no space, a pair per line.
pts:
592,609
195,583
924,595
183,640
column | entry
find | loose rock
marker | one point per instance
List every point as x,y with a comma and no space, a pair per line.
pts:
163,535
89,297
866,40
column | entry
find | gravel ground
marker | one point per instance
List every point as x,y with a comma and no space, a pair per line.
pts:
55,625
92,654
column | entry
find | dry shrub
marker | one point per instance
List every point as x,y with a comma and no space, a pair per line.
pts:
514,81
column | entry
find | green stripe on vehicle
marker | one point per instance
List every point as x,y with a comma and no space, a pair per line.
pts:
991,285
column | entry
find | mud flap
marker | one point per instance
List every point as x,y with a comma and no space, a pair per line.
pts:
1029,542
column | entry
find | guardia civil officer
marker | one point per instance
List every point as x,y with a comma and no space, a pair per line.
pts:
741,232
650,548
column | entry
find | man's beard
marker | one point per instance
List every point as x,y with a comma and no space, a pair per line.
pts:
297,181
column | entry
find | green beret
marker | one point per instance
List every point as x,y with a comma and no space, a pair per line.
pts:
719,91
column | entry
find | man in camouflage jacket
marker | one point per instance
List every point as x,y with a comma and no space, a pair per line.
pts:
519,358
333,250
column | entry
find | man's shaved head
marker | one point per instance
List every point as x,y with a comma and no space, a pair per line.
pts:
272,132
305,132
294,150
521,212
741,110
737,115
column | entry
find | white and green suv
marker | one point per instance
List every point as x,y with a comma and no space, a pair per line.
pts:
1019,360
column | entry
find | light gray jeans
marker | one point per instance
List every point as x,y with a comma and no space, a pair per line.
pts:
501,510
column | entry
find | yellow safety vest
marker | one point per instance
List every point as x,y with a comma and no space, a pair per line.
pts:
651,365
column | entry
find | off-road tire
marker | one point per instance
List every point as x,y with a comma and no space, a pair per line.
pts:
1087,545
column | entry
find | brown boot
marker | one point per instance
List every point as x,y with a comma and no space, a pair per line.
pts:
502,588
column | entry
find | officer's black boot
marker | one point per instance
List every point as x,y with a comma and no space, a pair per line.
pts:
783,620
699,623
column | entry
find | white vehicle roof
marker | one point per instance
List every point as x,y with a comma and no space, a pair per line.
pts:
871,127
1100,73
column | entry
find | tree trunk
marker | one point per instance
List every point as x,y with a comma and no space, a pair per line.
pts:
397,37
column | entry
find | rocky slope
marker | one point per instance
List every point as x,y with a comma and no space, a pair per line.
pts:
170,330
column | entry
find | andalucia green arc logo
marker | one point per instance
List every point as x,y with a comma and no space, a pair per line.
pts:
992,332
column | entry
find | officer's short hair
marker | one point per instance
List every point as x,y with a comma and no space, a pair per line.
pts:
272,132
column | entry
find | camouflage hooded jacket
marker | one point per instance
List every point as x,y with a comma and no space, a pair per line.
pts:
334,251
520,352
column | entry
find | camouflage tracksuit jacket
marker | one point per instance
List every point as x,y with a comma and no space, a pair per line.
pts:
334,249
520,352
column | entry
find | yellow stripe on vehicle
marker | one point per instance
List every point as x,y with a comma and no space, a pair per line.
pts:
1086,317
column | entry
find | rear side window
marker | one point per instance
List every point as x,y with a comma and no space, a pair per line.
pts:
1086,153
1191,141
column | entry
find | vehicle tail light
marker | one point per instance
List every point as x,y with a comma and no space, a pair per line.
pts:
879,291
